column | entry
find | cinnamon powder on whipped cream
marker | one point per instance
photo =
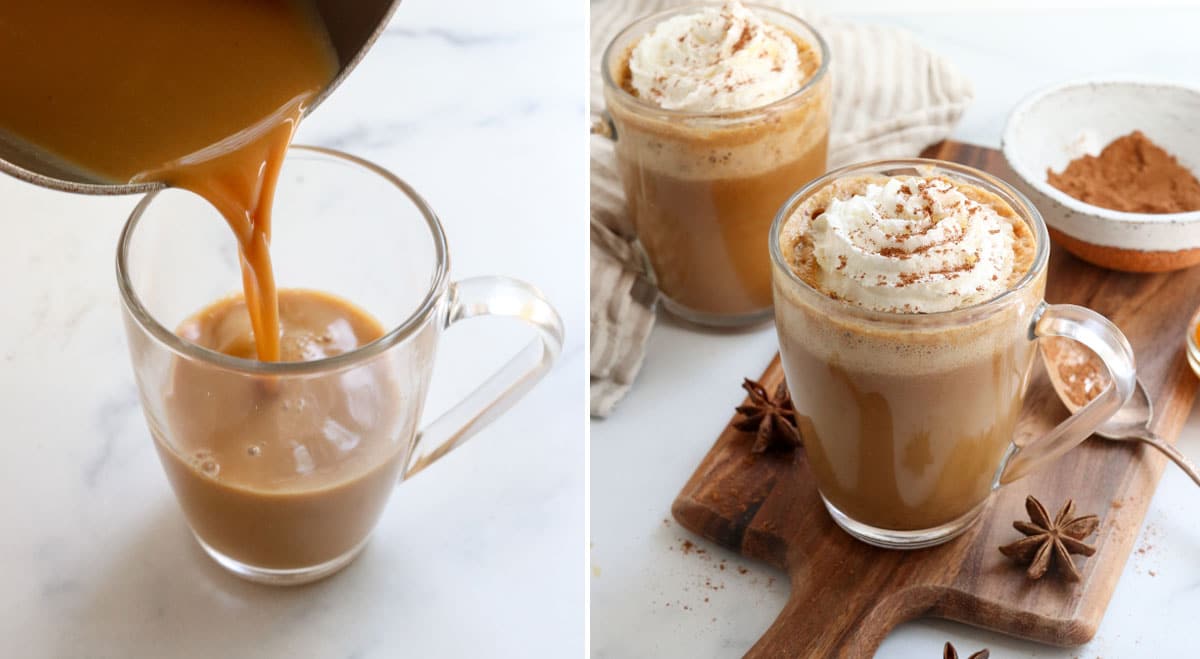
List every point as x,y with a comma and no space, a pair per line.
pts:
1131,174
907,244
718,59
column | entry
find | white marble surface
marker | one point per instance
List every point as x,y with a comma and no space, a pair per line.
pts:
480,556
651,600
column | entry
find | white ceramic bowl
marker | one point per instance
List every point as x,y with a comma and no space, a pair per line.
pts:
1056,125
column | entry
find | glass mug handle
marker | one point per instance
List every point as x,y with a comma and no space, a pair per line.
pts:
492,296
1110,345
603,126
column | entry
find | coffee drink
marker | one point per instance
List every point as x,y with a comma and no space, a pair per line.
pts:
283,448
904,307
274,473
720,114
283,473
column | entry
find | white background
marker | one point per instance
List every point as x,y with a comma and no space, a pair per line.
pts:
480,106
645,451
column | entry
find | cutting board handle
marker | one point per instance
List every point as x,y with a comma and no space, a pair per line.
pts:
844,617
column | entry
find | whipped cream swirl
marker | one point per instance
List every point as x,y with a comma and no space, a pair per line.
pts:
716,60
912,245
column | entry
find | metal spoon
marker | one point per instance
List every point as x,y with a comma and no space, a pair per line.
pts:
1078,377
352,26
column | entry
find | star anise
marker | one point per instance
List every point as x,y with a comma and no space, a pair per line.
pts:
950,653
771,418
1051,542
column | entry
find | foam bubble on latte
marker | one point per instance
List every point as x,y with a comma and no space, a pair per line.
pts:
715,60
908,244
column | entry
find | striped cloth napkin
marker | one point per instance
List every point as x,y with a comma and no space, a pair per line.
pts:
891,99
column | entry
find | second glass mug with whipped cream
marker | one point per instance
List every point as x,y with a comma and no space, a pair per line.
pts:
909,303
718,113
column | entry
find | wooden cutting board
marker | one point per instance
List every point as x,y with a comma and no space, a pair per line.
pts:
846,596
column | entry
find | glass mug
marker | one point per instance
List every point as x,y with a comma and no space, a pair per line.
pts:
701,188
908,419
283,479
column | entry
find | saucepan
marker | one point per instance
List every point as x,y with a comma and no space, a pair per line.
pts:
353,27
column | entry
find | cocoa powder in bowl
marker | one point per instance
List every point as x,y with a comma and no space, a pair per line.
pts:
1132,174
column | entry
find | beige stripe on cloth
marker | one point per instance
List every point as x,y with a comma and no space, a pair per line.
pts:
891,98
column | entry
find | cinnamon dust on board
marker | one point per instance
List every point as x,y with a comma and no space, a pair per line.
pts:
1131,174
